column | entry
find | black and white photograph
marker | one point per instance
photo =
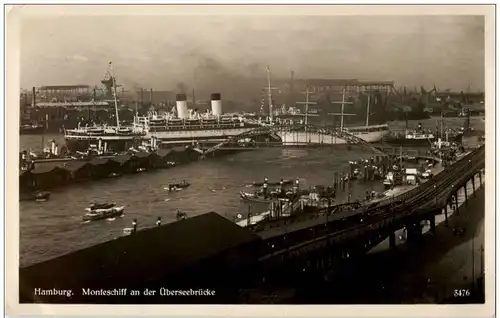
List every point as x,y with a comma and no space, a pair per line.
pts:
252,155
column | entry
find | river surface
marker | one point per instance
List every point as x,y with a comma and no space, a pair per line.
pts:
53,228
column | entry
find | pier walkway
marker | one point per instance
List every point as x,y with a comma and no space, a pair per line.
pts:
310,243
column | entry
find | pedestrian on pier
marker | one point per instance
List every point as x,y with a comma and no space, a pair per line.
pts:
158,221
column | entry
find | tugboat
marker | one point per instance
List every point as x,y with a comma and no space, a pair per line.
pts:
177,186
180,215
101,211
266,181
421,137
39,196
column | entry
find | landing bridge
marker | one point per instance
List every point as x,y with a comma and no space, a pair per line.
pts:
190,254
328,237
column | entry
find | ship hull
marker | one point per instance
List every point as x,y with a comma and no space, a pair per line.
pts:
164,138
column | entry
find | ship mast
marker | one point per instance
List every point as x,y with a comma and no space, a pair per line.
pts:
114,95
368,110
342,110
441,128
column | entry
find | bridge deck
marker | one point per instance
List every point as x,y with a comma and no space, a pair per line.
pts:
315,220
408,207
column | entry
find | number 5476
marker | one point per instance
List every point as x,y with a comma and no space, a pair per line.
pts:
461,293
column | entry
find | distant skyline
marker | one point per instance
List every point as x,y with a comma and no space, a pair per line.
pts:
216,52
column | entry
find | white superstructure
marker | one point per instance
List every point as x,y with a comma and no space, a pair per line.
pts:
303,137
182,108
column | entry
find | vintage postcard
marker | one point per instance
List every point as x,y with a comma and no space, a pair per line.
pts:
237,155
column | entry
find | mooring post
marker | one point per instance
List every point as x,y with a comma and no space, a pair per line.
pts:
446,214
432,221
465,192
134,226
473,185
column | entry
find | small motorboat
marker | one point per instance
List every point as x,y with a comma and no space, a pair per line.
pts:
260,184
254,197
102,211
100,206
114,175
259,197
39,196
388,184
177,186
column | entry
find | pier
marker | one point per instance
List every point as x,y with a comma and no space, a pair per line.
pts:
312,244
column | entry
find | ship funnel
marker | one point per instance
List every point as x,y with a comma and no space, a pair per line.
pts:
182,108
216,104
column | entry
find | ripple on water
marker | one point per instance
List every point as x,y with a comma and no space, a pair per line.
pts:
50,229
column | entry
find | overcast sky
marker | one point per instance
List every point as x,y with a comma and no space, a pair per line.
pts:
160,52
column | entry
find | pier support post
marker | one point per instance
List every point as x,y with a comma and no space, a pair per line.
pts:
134,226
480,178
392,240
456,203
414,231
446,214
432,221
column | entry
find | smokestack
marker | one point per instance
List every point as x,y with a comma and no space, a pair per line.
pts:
182,108
33,97
216,104
142,96
151,96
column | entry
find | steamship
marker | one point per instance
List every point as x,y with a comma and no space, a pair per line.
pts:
184,126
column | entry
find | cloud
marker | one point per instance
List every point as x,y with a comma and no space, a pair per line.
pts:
78,58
